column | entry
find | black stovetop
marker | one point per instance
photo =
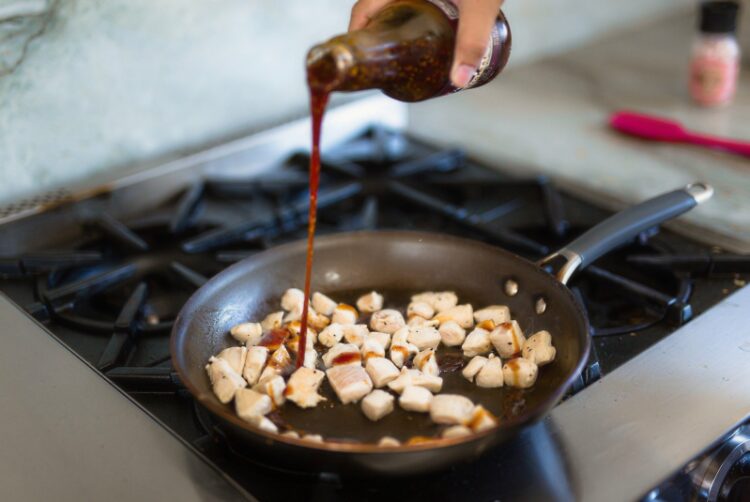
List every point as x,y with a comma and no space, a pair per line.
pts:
112,293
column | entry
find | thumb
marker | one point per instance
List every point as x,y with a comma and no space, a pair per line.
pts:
475,23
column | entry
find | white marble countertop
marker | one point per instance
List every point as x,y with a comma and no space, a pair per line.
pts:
551,117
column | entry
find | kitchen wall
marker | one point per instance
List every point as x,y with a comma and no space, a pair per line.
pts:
87,86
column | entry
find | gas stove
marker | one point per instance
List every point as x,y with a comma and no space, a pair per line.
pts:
106,270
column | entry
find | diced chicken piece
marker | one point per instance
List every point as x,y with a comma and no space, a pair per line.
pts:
272,321
456,431
342,354
508,339
224,380
322,304
384,339
278,361
451,409
291,434
248,333
481,419
377,404
387,321
400,336
451,334
317,320
426,362
331,335
292,300
538,348
266,425
302,387
520,373
495,313
491,374
415,399
475,366
344,314
311,358
461,314
292,342
421,309
439,301
401,352
477,342
381,371
351,383
251,405
273,387
355,333
313,438
235,356
416,320
254,363
414,377
487,324
388,441
371,348
371,302
424,337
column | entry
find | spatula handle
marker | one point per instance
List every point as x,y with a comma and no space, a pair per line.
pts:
622,227
738,147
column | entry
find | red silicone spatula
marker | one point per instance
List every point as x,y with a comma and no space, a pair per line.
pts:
659,129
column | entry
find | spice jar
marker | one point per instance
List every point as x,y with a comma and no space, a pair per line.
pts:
714,66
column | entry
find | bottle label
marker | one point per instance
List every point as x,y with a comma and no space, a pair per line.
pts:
487,68
713,79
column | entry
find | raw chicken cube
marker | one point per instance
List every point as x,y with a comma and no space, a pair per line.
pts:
426,362
381,371
388,441
251,405
409,377
248,333
451,334
344,314
316,320
331,335
416,320
266,425
481,419
278,361
474,367
235,356
311,358
400,353
451,409
520,373
302,388
415,399
224,380
322,304
439,301
400,336
456,431
424,337
351,383
313,438
387,321
272,321
342,354
371,302
508,339
421,309
355,333
384,339
478,342
461,314
491,374
292,300
498,314
538,348
273,387
254,363
377,404
371,348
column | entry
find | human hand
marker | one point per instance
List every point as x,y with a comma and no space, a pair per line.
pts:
475,22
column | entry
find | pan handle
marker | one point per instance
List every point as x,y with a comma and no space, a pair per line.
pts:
622,227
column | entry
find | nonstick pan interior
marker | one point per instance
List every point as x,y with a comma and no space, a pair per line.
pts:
397,264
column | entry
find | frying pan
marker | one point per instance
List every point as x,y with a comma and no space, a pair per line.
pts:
398,264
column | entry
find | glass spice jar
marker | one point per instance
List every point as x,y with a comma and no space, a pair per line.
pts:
715,61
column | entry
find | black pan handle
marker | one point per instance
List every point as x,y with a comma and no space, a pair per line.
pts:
622,227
